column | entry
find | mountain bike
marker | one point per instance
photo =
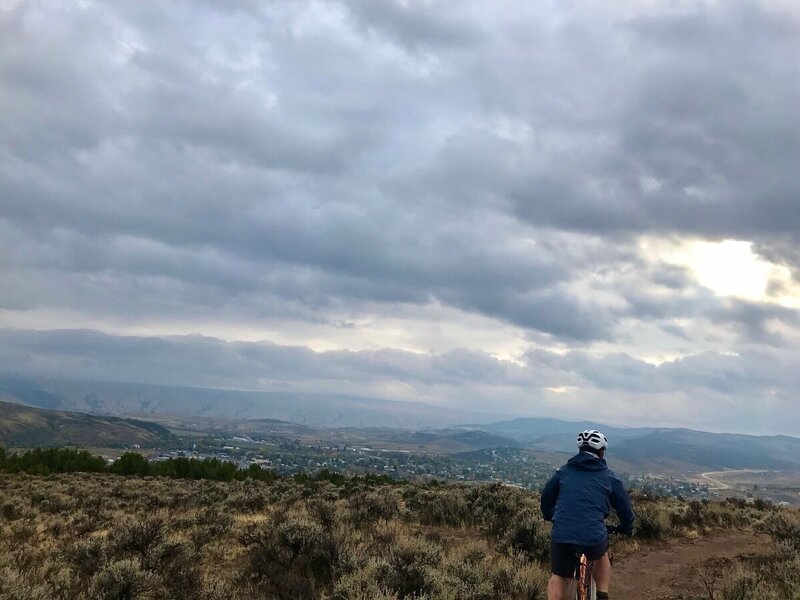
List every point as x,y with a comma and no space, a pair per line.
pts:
582,586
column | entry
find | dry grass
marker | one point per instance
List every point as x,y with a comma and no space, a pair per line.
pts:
106,537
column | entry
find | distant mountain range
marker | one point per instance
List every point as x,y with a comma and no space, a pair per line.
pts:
660,448
415,424
153,401
24,426
558,435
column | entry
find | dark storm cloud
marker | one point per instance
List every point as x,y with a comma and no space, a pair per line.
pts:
699,102
181,175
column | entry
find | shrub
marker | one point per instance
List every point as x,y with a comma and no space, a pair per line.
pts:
651,522
783,571
467,573
369,507
20,531
247,501
495,506
210,524
362,584
10,511
323,512
289,555
440,507
86,556
216,589
693,515
517,579
761,504
123,580
528,534
782,528
19,590
409,568
178,564
82,523
744,585
137,536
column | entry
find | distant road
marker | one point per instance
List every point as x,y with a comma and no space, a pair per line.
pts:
721,485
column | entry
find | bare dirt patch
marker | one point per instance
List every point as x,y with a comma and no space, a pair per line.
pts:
666,571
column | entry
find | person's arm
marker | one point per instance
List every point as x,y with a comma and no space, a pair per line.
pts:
621,503
549,497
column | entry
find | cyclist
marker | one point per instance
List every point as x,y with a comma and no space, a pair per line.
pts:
577,499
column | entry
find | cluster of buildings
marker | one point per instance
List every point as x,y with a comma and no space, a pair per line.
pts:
512,466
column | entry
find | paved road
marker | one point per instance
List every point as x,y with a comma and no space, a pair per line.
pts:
721,485
717,484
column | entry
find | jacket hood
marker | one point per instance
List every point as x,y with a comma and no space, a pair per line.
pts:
587,462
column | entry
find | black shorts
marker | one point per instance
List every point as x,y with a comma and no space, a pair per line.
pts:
565,557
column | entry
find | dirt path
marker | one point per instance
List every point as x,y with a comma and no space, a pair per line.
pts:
664,571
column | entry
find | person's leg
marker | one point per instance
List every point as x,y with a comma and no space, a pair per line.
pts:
563,561
555,588
601,571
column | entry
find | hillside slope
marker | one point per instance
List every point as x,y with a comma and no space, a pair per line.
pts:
23,426
712,450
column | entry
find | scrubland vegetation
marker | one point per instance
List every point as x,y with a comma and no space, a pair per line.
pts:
103,536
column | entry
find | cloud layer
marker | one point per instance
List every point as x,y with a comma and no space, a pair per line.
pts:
399,197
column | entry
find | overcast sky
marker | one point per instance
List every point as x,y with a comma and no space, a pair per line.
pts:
569,209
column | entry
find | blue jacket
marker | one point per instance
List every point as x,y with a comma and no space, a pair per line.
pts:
580,496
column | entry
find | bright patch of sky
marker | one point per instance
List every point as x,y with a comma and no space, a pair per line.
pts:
731,268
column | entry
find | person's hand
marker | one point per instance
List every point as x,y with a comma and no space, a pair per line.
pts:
617,530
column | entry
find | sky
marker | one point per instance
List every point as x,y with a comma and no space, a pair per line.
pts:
571,209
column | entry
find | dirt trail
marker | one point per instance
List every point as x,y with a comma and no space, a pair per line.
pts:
664,571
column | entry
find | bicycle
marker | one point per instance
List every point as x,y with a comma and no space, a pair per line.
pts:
582,586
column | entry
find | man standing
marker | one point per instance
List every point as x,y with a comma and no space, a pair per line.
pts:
577,499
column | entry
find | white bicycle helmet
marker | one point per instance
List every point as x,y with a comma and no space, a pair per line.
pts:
593,439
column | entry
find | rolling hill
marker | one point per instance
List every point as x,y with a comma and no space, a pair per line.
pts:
404,424
660,449
23,426
558,435
666,447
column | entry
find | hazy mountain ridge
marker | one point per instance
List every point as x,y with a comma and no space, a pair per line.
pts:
24,426
557,434
412,424
713,450
656,446
318,410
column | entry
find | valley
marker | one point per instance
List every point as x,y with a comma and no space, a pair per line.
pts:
523,451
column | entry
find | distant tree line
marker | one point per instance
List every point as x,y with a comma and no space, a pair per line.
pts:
48,461
44,461
133,463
